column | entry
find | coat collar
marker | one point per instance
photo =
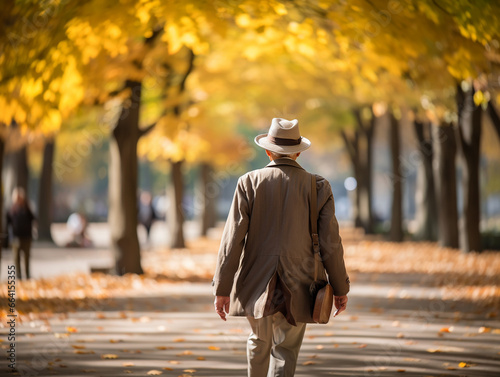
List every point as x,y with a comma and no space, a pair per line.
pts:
284,161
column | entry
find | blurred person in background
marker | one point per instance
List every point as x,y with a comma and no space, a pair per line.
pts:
20,224
77,224
146,212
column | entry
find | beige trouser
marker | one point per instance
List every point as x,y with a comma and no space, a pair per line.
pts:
273,346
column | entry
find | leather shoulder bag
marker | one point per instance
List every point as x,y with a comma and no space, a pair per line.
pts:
321,290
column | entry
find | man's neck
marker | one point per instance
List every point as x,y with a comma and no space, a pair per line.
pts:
279,158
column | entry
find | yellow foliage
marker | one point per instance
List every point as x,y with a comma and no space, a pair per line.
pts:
252,56
479,98
243,20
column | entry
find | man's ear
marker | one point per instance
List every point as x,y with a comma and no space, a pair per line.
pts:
268,153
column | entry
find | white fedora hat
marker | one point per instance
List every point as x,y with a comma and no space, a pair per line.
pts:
283,137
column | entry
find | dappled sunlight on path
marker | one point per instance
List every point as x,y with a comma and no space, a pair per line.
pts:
400,318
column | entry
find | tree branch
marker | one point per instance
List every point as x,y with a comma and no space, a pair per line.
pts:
441,8
495,118
156,33
182,85
359,121
461,98
419,131
145,130
350,145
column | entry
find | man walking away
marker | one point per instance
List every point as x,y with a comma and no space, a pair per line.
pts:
265,264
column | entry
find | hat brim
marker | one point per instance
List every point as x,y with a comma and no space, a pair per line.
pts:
263,142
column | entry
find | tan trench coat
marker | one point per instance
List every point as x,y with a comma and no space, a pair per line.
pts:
267,235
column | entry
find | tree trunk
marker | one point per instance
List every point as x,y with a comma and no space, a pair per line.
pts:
365,159
396,232
352,147
495,118
469,137
426,216
45,193
16,172
3,227
175,193
444,146
360,149
123,185
208,193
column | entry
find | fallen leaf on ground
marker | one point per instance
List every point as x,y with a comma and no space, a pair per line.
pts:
446,329
483,329
128,364
109,356
433,350
214,348
71,329
200,358
309,362
154,372
465,365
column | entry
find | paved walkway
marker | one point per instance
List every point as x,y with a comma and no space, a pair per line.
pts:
396,324
48,260
392,327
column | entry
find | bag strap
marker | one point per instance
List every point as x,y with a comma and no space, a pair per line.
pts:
313,218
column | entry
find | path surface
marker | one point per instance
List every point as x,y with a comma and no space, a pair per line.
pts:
395,325
48,260
392,328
